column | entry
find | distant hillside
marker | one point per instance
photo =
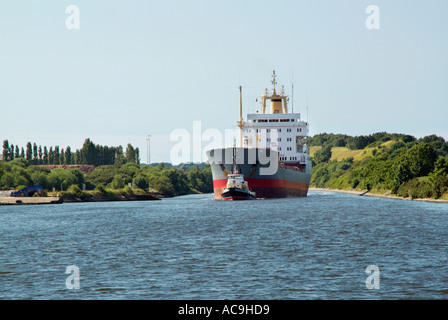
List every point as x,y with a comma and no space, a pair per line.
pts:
384,163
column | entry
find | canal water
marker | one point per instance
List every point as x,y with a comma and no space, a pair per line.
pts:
325,246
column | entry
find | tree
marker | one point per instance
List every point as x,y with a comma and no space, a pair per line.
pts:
117,182
61,178
45,157
40,178
322,155
130,153
88,152
68,156
416,162
140,181
62,157
137,155
6,150
29,151
51,156
11,152
35,152
56,155
17,152
40,154
119,157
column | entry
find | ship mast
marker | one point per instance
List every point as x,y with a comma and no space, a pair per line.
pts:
240,123
276,100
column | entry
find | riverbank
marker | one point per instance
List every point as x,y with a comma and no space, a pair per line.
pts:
29,200
378,194
70,198
66,197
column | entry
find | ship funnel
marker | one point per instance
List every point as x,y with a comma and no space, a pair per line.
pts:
276,105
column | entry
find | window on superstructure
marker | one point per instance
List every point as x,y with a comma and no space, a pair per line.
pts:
268,130
279,139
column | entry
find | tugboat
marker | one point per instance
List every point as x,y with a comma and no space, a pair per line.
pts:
237,188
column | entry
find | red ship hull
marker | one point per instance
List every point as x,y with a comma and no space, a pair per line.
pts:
288,180
267,188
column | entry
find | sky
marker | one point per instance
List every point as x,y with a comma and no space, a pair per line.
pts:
139,68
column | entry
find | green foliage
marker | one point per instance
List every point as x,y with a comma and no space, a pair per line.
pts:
60,178
358,142
140,181
201,180
76,191
90,154
416,162
424,187
40,178
441,166
117,182
407,167
322,155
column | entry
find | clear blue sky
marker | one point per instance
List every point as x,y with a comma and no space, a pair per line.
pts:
149,67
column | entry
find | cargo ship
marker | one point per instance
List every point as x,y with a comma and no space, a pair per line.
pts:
272,156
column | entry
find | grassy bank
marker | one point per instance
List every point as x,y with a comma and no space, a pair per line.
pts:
100,194
388,165
382,194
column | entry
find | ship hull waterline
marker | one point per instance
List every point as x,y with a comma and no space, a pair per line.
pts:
285,181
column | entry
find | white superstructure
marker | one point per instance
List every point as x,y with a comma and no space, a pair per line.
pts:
278,130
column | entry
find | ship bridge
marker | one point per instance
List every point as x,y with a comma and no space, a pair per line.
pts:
278,129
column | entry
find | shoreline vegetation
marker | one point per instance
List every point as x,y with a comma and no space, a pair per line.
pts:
387,165
96,173
396,166
377,194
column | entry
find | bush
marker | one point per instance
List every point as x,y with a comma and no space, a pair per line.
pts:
355,183
141,182
117,182
101,189
322,155
75,190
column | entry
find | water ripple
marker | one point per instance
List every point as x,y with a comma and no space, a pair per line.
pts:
193,247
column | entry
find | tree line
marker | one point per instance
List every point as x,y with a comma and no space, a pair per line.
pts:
89,154
164,179
362,141
408,167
